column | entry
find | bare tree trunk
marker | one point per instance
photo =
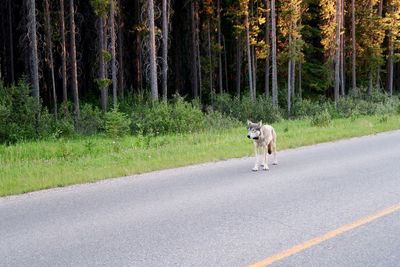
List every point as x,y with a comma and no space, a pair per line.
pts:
34,60
153,63
102,75
289,81
353,41
342,76
274,66
165,31
219,44
268,43
390,64
249,63
121,85
209,54
64,55
300,80
337,55
378,71
370,69
49,43
293,76
225,65
238,64
194,71
11,38
289,89
254,71
113,53
253,51
198,49
74,78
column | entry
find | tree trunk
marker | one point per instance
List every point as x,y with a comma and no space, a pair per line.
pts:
165,31
197,19
102,74
219,45
153,63
209,54
300,93
378,71
289,85
121,82
11,38
342,45
370,69
113,53
254,55
194,71
337,55
293,76
254,70
74,76
249,63
289,80
63,55
274,66
49,43
225,65
390,64
34,60
268,43
238,64
353,41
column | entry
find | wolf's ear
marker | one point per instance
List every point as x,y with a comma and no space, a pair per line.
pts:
260,123
248,122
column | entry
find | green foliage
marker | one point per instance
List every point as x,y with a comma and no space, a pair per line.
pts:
106,55
322,119
245,109
20,113
91,120
216,120
178,116
100,7
116,123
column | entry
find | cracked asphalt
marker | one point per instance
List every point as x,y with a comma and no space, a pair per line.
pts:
218,214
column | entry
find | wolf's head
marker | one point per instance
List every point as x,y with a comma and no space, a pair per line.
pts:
253,130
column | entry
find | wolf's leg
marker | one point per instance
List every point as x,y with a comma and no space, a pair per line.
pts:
265,160
256,152
275,162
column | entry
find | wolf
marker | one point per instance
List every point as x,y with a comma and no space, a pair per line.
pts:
264,136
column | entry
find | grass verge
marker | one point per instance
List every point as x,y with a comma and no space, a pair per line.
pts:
31,166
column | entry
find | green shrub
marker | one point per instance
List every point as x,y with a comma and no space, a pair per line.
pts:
177,116
20,113
4,122
304,108
245,109
322,119
346,106
90,121
216,120
116,123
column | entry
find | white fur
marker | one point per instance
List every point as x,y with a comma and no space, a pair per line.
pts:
266,136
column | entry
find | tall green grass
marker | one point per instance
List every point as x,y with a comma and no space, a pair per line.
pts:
31,166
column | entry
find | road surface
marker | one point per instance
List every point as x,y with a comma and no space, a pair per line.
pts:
333,204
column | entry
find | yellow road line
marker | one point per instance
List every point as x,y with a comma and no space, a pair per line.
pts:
325,237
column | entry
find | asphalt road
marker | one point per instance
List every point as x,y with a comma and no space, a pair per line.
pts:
219,214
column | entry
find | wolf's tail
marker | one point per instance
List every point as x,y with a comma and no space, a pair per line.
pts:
269,148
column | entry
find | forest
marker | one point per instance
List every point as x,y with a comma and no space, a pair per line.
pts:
118,54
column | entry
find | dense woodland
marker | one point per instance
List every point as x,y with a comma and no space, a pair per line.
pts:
102,51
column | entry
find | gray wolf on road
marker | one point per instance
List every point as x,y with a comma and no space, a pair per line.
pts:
264,136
